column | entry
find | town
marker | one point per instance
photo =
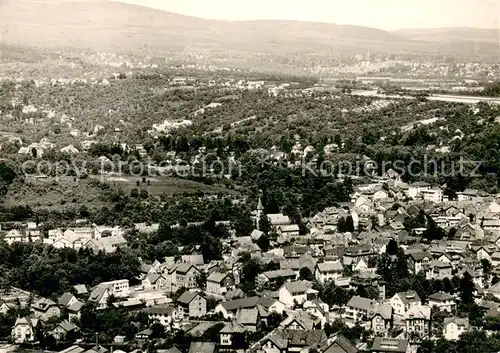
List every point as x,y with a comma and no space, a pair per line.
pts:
358,279
198,182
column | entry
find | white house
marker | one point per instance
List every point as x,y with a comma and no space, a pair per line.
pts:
219,283
416,189
119,288
402,302
25,330
358,309
453,327
289,230
15,236
432,195
292,293
418,320
443,301
166,315
328,271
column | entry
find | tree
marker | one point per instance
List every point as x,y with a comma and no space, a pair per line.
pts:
243,224
250,269
263,242
201,280
134,193
486,267
144,194
341,227
392,247
349,224
264,224
157,331
211,248
306,274
467,289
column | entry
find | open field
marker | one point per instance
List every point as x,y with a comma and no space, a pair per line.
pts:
52,194
159,185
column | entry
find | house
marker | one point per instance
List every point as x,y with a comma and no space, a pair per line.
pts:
360,265
249,318
381,319
293,293
193,259
119,288
230,307
494,290
439,270
15,236
192,304
278,219
353,253
296,252
453,327
105,231
165,315
66,300
328,271
232,337
108,244
276,276
419,261
276,342
442,301
256,234
44,309
101,293
434,195
287,231
338,344
147,228
219,283
295,264
74,311
317,308
184,276
5,307
64,329
294,341
26,329
99,297
390,345
418,321
401,302
154,281
299,320
358,309
80,290
415,189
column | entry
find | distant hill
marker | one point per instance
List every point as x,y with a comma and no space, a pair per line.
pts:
451,34
108,25
113,26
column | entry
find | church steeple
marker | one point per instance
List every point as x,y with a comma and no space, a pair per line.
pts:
259,205
260,210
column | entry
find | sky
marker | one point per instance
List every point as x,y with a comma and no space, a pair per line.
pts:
383,14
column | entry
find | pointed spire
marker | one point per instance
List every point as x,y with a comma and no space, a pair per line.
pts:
259,205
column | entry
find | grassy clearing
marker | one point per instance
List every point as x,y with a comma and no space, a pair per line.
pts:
52,194
161,185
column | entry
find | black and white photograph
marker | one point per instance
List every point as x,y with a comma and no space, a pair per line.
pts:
249,176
